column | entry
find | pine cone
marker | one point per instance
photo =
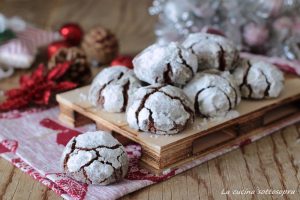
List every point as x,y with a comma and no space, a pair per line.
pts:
79,71
100,45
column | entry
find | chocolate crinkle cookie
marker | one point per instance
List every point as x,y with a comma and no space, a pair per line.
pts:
165,64
212,51
160,109
95,158
258,79
112,88
213,93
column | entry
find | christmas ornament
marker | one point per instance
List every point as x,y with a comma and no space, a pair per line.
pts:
100,45
255,26
39,88
287,31
72,33
79,70
178,18
123,61
255,35
54,47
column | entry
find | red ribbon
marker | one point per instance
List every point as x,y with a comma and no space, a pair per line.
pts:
37,88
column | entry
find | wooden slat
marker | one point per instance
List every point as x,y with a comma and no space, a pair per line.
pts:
14,184
6,174
39,191
268,163
50,195
177,191
20,183
255,168
238,179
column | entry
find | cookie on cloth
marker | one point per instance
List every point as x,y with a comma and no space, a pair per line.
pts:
165,64
95,158
160,109
212,51
258,79
112,88
213,93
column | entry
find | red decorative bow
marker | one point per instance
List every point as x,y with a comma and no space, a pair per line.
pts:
37,88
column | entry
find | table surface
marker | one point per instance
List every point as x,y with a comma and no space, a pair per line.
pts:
271,163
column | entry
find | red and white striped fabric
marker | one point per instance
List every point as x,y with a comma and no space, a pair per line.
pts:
21,51
36,144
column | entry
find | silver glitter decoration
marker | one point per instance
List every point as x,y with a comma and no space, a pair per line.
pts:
269,27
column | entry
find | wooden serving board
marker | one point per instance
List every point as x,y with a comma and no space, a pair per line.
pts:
161,152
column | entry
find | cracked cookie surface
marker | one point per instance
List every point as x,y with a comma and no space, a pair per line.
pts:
112,88
212,51
213,93
165,64
160,109
258,79
95,158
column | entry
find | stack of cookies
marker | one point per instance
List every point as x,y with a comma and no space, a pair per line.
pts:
171,84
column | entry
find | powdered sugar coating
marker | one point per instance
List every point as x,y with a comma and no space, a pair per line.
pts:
212,51
258,79
165,64
112,88
213,93
160,109
95,158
